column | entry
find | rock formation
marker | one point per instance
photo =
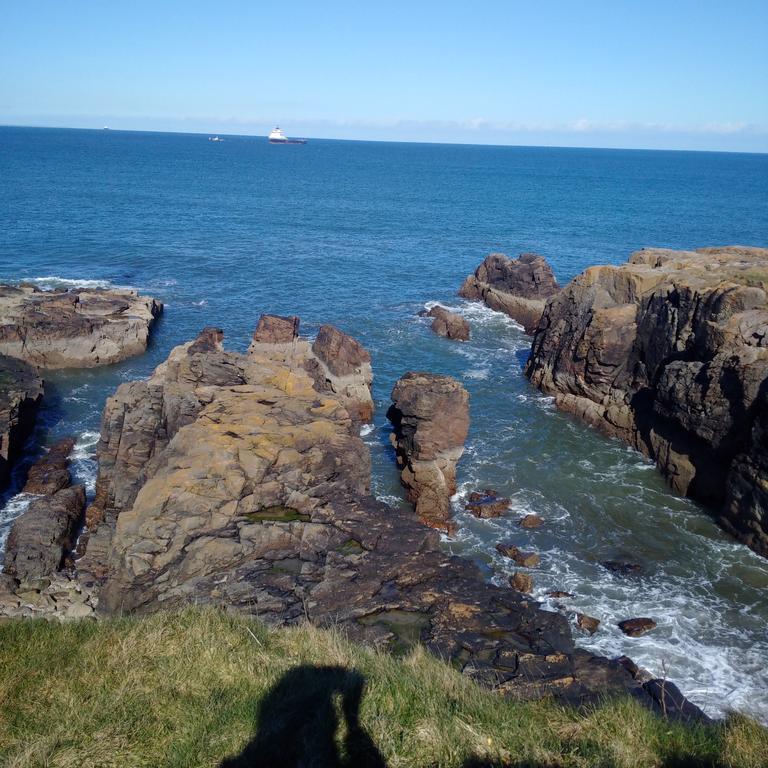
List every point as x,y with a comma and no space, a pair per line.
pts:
447,324
21,390
75,328
517,287
234,480
669,352
430,416
45,532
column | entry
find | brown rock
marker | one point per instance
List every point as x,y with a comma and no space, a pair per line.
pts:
448,324
78,328
343,355
531,521
485,505
668,352
21,391
430,416
526,559
41,536
51,473
558,593
587,623
522,582
274,329
636,627
517,287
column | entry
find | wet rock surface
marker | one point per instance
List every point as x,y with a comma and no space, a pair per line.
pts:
487,504
232,480
517,287
78,328
448,324
21,390
430,416
669,352
637,627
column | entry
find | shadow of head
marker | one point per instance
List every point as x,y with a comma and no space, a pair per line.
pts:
310,717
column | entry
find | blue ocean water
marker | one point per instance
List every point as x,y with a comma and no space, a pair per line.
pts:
363,235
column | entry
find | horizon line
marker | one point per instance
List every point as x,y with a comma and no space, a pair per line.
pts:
384,141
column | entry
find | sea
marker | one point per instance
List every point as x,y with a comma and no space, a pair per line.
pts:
364,235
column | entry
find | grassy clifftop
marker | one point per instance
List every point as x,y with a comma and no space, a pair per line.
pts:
203,689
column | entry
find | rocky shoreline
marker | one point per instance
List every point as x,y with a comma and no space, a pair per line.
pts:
239,480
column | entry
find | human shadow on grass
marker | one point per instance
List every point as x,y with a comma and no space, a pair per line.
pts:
298,720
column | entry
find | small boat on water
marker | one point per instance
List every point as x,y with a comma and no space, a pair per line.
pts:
277,136
215,138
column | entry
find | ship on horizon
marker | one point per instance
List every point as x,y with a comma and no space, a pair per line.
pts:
277,136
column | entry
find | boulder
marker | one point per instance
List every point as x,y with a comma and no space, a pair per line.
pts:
517,287
41,536
51,472
621,567
448,324
526,559
522,582
669,352
487,504
340,364
77,328
430,416
587,623
274,329
531,521
21,390
636,627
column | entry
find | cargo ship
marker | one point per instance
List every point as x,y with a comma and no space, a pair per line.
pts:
277,136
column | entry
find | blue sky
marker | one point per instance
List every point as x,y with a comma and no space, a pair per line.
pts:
675,74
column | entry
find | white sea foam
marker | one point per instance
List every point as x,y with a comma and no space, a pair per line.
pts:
54,281
12,508
83,465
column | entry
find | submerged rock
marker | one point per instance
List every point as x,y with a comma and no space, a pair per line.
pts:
448,324
430,416
78,328
637,627
487,504
526,559
531,521
21,390
517,287
669,352
621,568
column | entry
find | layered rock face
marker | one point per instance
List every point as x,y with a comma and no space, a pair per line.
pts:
430,416
74,328
517,287
42,535
670,353
21,390
448,324
233,480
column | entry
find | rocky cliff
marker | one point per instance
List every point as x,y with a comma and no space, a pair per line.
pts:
21,390
669,352
74,328
517,287
240,480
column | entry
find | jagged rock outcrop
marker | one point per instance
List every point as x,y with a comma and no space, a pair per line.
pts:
448,324
21,390
231,479
669,352
78,328
45,532
517,287
50,473
430,416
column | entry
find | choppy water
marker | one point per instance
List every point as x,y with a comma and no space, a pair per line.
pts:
364,235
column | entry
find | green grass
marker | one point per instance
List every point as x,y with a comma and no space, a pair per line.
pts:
186,689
